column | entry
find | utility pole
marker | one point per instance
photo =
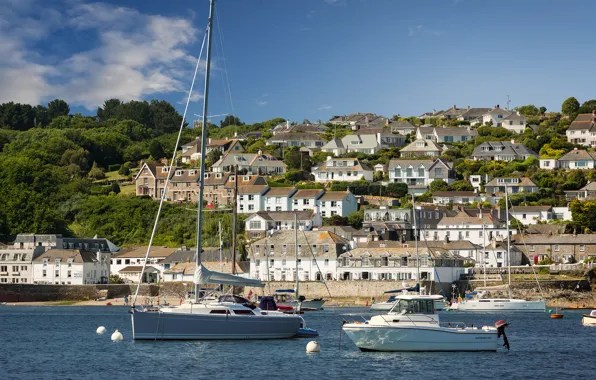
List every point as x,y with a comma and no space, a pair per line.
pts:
234,217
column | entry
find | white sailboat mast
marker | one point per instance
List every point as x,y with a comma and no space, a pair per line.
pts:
508,238
484,252
416,243
296,239
204,143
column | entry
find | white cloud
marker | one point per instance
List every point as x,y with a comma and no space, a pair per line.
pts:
136,55
325,107
262,103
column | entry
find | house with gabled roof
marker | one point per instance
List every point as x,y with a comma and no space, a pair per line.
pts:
191,151
259,223
473,115
342,169
422,148
402,127
361,143
335,146
495,116
341,203
573,160
453,135
305,199
425,132
59,266
512,185
532,214
515,123
582,130
253,163
309,140
418,174
455,197
502,151
586,193
278,199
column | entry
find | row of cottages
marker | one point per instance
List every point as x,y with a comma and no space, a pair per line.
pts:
502,151
559,248
54,259
288,127
253,198
257,225
576,159
359,121
251,163
443,198
540,214
422,148
419,174
364,141
400,263
342,169
191,151
582,130
446,135
277,256
298,139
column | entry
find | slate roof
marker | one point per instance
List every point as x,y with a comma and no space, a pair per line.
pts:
474,113
582,122
297,136
334,143
577,155
334,195
252,189
306,193
141,251
525,182
429,146
457,131
79,256
280,191
284,215
558,239
530,208
507,148
454,194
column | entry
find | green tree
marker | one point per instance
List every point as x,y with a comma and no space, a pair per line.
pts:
230,120
156,150
584,215
16,116
57,108
378,176
570,106
461,185
42,118
587,106
438,185
356,219
138,111
96,172
164,118
295,159
109,109
529,110
542,110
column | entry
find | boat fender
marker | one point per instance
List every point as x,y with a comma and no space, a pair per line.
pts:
117,336
100,330
313,346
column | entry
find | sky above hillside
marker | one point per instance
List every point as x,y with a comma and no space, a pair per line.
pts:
300,59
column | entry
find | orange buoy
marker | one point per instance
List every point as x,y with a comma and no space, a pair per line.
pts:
556,316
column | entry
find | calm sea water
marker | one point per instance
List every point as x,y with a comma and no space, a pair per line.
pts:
61,343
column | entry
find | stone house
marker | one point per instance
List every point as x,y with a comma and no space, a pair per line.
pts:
559,248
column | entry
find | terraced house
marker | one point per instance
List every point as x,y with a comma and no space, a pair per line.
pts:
342,169
582,130
418,174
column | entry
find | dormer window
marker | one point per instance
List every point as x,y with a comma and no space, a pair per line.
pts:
165,169
218,175
179,172
420,145
246,178
206,174
232,178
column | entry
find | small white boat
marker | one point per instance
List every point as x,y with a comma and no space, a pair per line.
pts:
481,304
589,319
413,325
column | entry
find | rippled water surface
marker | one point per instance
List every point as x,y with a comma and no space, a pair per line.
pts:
61,343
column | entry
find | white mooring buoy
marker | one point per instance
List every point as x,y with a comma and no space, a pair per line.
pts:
100,330
313,346
117,336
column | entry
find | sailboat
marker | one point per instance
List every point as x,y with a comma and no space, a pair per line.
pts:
203,318
479,303
413,324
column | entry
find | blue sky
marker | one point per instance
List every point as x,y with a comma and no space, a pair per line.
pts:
301,58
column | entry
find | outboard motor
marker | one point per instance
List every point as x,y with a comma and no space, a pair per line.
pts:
301,298
267,303
500,325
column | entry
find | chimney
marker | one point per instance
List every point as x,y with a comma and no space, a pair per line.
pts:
518,114
287,124
454,107
498,106
468,108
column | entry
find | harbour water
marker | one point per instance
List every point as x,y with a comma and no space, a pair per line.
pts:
61,343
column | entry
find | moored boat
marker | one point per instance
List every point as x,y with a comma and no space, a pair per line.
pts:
413,325
589,319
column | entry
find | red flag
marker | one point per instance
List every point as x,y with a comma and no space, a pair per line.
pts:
250,294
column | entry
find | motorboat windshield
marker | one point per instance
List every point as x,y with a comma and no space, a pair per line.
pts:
415,305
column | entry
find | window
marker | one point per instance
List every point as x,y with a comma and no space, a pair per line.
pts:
582,248
532,248
397,172
556,248
255,224
44,273
23,267
251,207
251,197
57,273
499,255
15,268
3,268
438,172
421,172
69,274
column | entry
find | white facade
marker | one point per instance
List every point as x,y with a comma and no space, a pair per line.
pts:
495,116
366,144
495,256
531,216
284,269
442,198
562,213
478,179
330,205
249,203
277,201
341,169
70,272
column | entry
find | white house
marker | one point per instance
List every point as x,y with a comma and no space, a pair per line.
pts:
532,214
71,267
502,151
420,172
367,144
335,146
305,199
495,255
454,135
515,123
278,199
478,227
393,263
582,130
253,163
256,225
274,257
341,203
479,180
250,198
454,197
513,186
575,159
422,148
128,263
342,169
495,116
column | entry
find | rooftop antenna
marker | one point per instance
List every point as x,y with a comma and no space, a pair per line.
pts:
508,101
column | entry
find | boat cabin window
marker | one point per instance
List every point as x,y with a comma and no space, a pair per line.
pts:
243,312
218,311
415,306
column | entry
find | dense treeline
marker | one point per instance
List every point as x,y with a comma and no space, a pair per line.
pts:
49,161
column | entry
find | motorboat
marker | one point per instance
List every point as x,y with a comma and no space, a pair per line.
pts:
480,302
589,319
413,324
286,301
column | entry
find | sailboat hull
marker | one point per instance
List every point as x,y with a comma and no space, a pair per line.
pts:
155,325
490,305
